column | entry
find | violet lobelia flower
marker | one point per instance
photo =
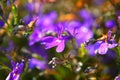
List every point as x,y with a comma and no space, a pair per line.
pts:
102,46
16,72
59,41
117,77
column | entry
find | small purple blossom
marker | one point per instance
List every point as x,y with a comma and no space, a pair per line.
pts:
34,63
110,24
117,78
85,14
102,46
1,23
16,72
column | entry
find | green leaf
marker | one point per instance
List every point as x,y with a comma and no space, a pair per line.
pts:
15,14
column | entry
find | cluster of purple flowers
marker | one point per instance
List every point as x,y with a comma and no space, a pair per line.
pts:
49,32
65,31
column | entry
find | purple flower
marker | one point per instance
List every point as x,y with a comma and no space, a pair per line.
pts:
102,46
34,63
30,7
45,23
87,17
85,14
1,23
110,24
83,34
78,31
90,49
72,26
16,72
50,41
117,78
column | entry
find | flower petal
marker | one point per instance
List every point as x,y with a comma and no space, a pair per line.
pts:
60,46
103,48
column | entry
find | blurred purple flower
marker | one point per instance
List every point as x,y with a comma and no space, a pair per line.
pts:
38,49
35,37
34,63
16,72
45,23
72,26
87,17
117,78
34,7
78,31
83,34
30,7
110,24
1,23
51,41
27,19
90,49
85,14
